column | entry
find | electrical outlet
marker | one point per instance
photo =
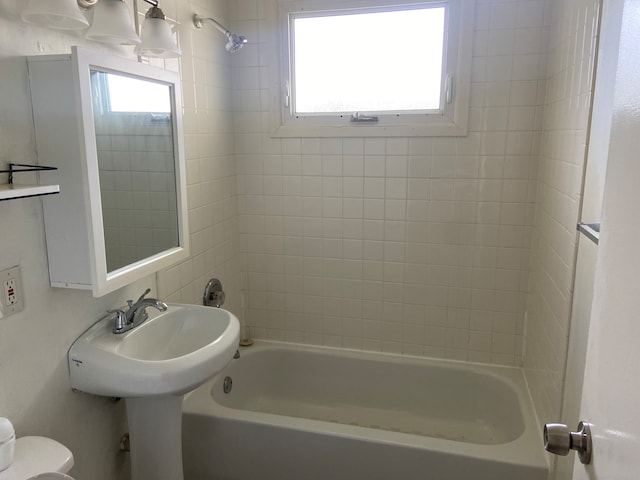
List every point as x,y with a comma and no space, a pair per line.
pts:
12,298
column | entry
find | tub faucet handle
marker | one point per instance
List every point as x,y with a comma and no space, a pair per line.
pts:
213,294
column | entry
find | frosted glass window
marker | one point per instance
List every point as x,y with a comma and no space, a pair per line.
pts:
373,67
384,61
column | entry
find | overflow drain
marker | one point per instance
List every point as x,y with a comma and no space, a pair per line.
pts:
227,384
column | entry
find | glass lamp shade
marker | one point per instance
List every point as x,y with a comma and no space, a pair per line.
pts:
112,23
57,14
158,39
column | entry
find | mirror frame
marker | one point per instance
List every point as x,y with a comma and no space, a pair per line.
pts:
103,281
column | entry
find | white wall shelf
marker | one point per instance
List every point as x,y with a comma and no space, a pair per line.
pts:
11,190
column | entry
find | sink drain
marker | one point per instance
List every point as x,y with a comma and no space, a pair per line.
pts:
227,384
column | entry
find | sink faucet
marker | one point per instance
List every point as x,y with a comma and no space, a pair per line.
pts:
137,313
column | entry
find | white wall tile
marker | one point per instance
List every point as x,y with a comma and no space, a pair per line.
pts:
570,40
419,216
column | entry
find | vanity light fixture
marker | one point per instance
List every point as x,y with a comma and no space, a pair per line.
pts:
112,22
57,14
235,43
158,38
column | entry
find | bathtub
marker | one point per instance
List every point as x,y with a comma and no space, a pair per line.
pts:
297,412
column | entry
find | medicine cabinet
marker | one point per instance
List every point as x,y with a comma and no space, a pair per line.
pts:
113,129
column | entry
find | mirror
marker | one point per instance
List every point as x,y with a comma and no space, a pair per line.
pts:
134,145
113,128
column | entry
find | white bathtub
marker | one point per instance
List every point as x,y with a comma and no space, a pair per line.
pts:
312,413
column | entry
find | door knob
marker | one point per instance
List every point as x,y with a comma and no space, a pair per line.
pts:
559,440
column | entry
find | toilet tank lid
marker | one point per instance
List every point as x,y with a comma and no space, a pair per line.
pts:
36,455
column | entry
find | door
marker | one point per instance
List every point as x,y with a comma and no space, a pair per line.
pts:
611,388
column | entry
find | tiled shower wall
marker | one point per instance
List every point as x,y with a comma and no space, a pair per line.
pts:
205,70
572,33
410,245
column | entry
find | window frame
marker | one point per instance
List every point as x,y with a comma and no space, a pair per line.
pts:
451,120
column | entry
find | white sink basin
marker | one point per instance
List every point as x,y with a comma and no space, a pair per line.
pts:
170,354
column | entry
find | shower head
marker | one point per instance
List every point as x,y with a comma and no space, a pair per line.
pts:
235,43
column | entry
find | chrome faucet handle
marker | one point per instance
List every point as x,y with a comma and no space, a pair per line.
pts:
120,320
137,312
146,292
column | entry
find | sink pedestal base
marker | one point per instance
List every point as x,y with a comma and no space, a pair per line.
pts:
155,432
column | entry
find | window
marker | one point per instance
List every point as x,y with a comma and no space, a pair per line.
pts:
388,68
127,94
121,94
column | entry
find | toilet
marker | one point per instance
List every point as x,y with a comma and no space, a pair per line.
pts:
39,458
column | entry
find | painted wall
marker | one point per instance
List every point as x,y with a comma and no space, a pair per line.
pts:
571,28
34,387
409,245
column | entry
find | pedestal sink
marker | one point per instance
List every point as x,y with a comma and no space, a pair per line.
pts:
151,367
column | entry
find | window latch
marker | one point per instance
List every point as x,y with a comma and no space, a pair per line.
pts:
448,91
358,117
